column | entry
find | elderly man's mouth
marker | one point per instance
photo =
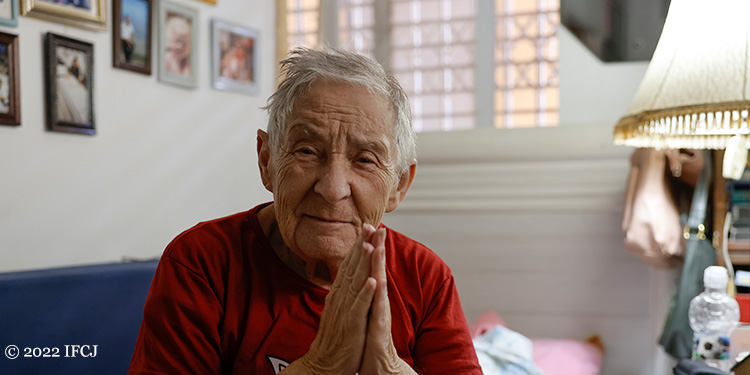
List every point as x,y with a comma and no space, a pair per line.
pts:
327,220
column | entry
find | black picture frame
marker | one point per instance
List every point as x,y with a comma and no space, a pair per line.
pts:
69,74
10,88
140,15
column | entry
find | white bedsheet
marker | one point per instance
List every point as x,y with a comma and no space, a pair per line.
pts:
502,351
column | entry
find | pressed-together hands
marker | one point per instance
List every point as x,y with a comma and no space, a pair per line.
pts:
355,326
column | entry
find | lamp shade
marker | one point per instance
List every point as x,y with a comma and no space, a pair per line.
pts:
696,90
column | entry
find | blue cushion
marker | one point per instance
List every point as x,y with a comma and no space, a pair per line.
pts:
98,305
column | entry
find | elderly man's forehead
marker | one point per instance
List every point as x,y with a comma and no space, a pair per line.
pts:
317,132
324,96
338,84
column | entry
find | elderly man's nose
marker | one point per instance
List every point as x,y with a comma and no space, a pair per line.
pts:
333,182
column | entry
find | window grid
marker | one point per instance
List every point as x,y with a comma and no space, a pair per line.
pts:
302,23
526,70
356,26
432,53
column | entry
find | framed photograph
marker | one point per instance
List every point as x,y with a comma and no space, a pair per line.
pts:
10,105
86,14
234,57
131,35
178,44
69,68
9,12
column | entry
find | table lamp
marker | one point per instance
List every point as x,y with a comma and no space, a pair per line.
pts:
696,90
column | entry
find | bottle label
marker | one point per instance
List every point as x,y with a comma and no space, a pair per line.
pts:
710,347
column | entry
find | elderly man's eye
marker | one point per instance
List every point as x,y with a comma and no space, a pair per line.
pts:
366,160
305,151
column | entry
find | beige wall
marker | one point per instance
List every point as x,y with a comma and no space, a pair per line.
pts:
163,157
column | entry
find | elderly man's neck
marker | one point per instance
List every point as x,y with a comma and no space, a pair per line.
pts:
318,272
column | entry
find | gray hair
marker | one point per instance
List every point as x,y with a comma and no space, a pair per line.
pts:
304,66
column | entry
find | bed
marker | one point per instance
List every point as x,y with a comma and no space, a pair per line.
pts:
503,351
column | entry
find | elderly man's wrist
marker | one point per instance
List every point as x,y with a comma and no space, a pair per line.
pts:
313,366
404,368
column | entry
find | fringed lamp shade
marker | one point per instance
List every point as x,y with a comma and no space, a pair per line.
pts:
696,91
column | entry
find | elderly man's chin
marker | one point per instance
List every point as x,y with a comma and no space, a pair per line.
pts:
325,240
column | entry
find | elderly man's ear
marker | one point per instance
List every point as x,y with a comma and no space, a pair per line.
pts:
264,155
404,182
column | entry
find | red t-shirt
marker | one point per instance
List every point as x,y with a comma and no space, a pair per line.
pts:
222,302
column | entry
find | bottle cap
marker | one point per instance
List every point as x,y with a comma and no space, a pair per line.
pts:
715,277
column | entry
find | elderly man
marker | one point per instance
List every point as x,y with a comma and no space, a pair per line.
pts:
312,283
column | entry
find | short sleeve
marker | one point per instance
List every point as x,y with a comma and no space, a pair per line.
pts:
179,333
443,344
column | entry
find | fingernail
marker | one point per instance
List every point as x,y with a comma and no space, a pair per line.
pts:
368,248
369,228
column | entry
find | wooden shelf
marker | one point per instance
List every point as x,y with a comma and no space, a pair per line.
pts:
739,258
739,251
734,245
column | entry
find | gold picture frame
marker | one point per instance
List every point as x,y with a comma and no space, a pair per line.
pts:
86,14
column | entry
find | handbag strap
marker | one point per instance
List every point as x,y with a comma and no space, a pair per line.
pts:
700,199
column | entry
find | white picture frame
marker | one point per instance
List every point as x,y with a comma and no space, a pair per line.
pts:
178,44
234,57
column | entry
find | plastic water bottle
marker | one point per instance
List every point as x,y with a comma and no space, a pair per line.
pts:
713,316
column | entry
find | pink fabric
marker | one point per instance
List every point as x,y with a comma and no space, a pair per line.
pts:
566,357
485,323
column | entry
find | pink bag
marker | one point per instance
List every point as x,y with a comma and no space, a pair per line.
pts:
651,221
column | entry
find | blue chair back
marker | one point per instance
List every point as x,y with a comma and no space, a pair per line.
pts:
73,320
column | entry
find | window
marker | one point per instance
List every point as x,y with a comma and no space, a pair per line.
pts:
443,51
302,20
357,26
432,55
526,53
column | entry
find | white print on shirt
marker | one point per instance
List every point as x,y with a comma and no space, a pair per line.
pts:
277,364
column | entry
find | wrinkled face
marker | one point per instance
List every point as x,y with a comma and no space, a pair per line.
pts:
179,37
334,169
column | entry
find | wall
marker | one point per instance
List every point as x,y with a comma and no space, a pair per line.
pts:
163,157
529,220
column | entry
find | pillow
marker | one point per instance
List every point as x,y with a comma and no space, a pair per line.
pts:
484,323
567,357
